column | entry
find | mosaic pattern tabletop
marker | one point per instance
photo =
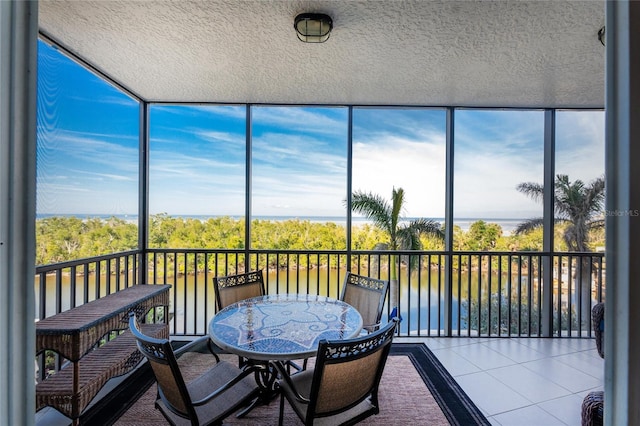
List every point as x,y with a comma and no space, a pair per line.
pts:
283,326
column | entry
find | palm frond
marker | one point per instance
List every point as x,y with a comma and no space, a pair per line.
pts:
594,199
427,227
374,208
529,225
388,217
575,203
569,197
532,190
408,238
397,201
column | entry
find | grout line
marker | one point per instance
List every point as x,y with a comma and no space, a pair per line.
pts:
547,353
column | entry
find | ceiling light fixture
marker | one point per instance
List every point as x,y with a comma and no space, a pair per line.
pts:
313,27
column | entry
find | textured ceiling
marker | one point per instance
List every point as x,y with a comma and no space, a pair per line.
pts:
392,52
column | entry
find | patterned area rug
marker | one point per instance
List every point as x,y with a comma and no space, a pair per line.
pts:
415,387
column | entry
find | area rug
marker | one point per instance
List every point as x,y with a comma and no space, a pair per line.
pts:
415,389
454,403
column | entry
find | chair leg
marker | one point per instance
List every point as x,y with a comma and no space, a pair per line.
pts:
295,366
242,362
281,416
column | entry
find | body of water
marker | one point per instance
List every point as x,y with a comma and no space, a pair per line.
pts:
193,298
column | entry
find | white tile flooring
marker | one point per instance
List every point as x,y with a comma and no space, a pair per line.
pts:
522,381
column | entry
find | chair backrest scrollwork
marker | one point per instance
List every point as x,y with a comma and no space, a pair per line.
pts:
233,288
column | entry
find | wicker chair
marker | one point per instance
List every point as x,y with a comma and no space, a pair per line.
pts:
234,288
367,295
593,403
342,388
597,319
207,400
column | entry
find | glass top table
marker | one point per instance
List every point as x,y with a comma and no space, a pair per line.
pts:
284,326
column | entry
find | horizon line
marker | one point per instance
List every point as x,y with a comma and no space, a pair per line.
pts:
273,216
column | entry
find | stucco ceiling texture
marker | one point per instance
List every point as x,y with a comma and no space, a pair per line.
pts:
381,52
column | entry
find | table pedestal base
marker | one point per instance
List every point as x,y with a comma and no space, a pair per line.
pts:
266,375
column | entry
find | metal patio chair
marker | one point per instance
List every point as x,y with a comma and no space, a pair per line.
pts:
234,288
208,399
342,388
367,295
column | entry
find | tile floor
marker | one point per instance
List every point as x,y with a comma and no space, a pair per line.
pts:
520,381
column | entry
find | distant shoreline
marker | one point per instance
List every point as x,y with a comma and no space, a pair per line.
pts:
508,225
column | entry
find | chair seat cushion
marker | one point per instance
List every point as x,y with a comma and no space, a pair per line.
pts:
222,405
302,382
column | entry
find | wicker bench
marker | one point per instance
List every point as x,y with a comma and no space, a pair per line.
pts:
74,334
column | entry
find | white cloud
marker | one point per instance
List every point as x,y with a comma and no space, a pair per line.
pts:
417,166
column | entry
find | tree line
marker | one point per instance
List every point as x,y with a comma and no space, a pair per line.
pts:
64,238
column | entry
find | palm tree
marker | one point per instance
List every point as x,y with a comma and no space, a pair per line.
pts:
579,206
403,235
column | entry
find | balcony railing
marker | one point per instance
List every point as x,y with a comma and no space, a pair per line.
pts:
440,293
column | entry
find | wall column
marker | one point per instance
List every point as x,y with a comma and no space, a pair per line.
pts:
622,313
18,85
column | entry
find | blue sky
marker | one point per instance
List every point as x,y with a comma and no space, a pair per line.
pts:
88,163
